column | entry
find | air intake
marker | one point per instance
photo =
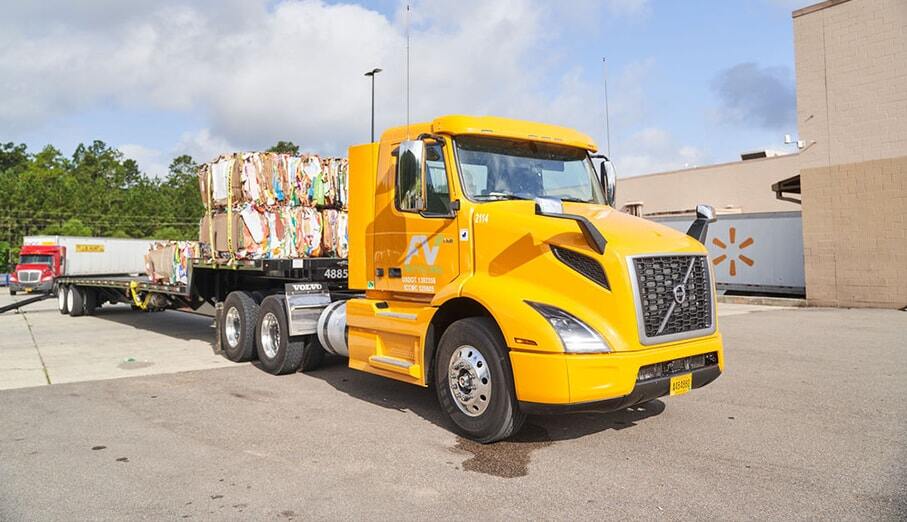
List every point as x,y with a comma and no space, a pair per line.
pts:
583,264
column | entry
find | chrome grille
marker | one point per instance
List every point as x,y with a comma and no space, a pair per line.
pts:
674,297
29,276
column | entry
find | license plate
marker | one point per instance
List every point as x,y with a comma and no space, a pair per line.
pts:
28,290
681,384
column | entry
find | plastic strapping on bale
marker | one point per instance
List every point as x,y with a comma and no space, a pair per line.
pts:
230,212
143,304
209,215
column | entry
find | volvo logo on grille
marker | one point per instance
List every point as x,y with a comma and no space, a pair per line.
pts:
680,294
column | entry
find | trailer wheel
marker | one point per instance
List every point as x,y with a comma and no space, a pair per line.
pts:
61,300
75,301
277,353
238,326
90,297
474,381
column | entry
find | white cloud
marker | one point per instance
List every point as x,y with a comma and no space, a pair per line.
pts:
150,161
262,71
656,150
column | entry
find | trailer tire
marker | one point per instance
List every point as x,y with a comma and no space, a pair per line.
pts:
277,353
238,326
312,355
61,300
91,300
475,349
75,301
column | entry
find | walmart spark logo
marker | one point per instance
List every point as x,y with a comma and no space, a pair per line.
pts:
732,239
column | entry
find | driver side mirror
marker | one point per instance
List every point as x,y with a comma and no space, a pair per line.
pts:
608,176
410,185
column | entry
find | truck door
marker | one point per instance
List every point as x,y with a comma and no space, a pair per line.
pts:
416,250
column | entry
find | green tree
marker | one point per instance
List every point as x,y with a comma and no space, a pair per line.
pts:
120,233
167,232
285,147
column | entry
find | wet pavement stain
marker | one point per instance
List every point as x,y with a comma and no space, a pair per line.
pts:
96,448
509,458
123,459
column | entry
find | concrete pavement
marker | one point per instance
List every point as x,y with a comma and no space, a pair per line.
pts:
808,422
40,346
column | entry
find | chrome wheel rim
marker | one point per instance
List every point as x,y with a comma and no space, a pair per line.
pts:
232,327
270,335
469,380
61,299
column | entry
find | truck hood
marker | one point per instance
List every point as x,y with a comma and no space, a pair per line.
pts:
630,235
34,266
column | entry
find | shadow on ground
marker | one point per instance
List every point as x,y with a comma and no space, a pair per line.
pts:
509,458
172,323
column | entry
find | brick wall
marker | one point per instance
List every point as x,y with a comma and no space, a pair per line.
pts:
855,250
852,113
851,62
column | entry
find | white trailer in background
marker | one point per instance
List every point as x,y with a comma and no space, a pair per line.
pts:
96,255
758,252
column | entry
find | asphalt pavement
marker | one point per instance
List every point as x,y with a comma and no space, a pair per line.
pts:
808,422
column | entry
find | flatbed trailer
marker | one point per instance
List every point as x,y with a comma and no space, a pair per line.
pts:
210,282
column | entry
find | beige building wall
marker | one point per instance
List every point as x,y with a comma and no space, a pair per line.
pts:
851,60
743,184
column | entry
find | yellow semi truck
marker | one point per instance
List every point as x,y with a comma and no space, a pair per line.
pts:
486,260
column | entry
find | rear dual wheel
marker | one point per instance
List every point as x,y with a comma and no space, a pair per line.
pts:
278,353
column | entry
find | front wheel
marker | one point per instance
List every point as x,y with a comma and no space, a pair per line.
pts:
474,382
61,300
12,292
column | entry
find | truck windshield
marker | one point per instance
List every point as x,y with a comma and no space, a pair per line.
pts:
496,168
34,259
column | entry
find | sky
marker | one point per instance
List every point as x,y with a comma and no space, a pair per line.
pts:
689,83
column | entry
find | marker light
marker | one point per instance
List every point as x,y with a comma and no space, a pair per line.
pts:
575,335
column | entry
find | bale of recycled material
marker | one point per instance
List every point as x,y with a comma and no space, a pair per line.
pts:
282,206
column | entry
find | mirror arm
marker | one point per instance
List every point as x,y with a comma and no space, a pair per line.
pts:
699,229
427,135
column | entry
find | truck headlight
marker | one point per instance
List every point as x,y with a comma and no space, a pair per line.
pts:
575,335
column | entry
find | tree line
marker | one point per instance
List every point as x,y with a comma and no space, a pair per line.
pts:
95,192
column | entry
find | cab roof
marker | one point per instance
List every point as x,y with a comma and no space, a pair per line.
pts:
492,126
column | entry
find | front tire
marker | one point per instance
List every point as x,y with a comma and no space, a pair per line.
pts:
238,326
61,300
277,353
12,292
474,381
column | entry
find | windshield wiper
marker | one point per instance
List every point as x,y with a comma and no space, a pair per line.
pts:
501,195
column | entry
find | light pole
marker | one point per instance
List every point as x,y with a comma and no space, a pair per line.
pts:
372,73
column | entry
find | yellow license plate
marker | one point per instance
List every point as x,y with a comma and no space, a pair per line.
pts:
681,384
28,290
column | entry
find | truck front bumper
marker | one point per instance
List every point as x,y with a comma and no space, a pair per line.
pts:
43,287
561,383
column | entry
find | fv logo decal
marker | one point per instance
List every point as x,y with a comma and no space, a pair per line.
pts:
430,251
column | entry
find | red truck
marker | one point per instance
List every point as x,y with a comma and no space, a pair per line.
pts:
37,268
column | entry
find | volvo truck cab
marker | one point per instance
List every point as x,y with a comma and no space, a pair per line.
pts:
494,267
